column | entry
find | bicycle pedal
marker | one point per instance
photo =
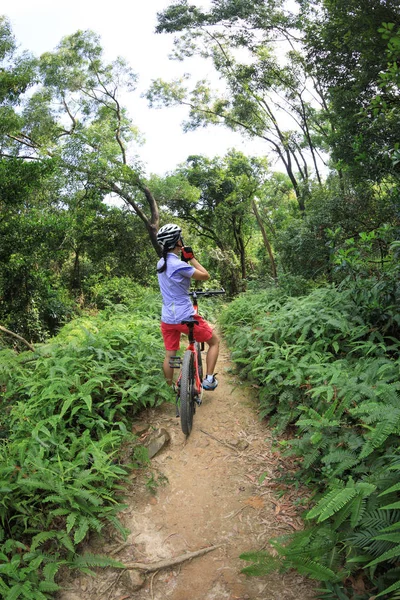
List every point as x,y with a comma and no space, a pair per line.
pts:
175,362
198,400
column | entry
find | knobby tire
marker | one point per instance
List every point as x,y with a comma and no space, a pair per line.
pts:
187,392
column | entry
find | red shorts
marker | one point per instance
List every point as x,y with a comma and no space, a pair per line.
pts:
172,333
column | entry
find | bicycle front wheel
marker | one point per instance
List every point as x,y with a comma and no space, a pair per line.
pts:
187,392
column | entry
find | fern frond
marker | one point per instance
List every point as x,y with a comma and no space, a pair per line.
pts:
42,537
311,458
392,553
48,586
393,505
377,520
381,432
394,488
315,570
81,531
263,563
331,503
94,560
389,590
389,537
357,511
50,570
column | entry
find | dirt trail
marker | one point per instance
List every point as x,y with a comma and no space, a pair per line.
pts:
207,492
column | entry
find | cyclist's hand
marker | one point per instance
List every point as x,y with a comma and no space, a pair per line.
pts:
187,253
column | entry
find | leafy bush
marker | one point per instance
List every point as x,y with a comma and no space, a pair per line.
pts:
327,366
65,413
108,291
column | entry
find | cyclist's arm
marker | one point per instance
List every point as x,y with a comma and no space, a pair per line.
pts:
200,273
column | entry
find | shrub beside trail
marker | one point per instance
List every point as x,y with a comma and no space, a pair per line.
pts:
65,411
326,367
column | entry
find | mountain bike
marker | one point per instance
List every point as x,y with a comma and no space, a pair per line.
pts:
189,383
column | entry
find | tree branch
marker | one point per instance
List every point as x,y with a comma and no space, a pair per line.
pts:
18,337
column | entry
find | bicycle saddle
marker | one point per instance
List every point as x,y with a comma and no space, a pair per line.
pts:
191,321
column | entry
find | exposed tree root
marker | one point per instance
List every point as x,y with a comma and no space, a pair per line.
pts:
172,562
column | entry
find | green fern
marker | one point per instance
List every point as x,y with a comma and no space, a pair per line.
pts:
89,560
324,353
380,434
316,571
263,563
390,590
393,553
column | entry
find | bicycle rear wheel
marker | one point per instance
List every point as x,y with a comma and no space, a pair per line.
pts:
187,392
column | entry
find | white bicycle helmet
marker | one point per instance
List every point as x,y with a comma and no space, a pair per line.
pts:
168,235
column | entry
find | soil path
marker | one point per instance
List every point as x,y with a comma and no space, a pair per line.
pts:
203,491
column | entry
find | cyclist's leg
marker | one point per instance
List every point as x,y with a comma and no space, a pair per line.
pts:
168,370
171,336
204,333
212,354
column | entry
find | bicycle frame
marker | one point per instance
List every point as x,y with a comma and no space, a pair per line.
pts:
189,386
192,347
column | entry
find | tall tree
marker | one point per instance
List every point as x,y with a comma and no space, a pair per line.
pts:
347,50
32,228
264,98
76,115
221,210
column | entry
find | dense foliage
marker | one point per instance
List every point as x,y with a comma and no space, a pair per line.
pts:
327,365
65,411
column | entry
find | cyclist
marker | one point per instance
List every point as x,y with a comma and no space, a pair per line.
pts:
174,274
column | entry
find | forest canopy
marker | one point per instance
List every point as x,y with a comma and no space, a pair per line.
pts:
327,111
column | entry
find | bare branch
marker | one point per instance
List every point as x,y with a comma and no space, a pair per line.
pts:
18,337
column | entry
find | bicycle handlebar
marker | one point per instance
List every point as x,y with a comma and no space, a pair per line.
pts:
195,293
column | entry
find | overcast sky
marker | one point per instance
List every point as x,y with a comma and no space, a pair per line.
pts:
126,28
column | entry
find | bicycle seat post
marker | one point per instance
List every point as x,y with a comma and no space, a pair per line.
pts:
191,333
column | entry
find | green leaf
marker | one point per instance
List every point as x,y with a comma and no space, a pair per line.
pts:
48,586
66,405
50,570
331,503
81,531
88,401
42,537
393,488
71,519
15,592
390,589
390,506
392,553
315,570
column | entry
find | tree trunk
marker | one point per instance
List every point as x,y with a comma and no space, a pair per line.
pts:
266,241
241,250
152,223
76,273
242,253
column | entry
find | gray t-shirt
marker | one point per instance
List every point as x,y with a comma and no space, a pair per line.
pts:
174,285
